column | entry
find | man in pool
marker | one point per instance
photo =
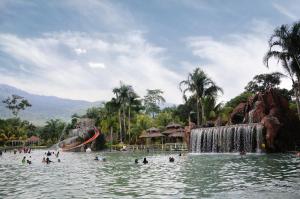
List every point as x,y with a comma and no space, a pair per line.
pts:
0,152
145,161
48,160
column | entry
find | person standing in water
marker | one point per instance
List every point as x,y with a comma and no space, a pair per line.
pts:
24,160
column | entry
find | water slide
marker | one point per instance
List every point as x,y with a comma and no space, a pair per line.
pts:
95,136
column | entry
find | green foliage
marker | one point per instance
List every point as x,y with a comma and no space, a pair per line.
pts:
52,131
200,86
242,98
263,82
152,100
16,103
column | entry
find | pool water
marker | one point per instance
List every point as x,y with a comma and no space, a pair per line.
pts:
78,175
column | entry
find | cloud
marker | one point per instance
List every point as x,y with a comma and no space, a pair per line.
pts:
79,51
235,59
55,69
96,65
285,11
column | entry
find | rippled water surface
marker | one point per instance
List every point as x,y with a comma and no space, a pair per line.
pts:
190,176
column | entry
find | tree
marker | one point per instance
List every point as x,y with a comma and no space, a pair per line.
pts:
263,82
241,98
284,45
152,100
52,130
16,103
200,86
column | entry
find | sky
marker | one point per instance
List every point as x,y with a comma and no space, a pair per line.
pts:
82,49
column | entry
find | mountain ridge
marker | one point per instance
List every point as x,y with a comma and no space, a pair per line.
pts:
44,107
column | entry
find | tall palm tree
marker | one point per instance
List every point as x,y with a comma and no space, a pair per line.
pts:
200,86
122,97
284,45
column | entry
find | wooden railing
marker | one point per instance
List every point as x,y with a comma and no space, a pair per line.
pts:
159,147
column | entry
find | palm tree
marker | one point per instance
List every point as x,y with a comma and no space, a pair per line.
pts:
200,86
122,97
284,45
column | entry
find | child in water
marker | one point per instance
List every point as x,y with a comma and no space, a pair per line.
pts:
24,160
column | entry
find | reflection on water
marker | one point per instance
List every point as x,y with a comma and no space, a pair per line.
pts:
191,176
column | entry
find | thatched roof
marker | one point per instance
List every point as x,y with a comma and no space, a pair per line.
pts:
153,129
173,125
177,134
151,135
33,139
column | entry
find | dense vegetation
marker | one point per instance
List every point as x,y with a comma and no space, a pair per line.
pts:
127,114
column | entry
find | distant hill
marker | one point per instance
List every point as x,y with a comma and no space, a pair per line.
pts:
43,107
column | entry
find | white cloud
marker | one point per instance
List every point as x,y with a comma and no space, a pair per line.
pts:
96,65
235,60
79,51
56,70
285,11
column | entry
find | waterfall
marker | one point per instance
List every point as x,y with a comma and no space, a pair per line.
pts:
227,139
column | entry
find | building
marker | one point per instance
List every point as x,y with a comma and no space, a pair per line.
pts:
174,133
152,136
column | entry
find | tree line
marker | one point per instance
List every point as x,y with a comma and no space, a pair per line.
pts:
127,114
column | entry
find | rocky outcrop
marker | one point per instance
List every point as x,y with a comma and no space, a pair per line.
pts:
269,108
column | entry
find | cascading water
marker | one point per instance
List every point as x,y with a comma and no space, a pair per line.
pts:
226,139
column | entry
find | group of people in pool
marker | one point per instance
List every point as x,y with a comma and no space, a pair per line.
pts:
48,154
145,161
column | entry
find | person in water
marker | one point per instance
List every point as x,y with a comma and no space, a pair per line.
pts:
57,154
0,152
179,154
44,160
96,158
48,160
24,160
58,160
48,153
136,161
171,159
242,153
145,161
28,161
104,159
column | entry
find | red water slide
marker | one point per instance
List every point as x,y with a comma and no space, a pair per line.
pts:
97,133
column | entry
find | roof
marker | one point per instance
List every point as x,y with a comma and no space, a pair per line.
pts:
153,129
151,135
171,131
33,139
177,134
173,125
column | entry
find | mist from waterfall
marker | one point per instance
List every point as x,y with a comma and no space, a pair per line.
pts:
227,139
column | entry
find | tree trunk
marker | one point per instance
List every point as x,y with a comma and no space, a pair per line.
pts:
124,122
198,112
202,113
129,118
296,91
120,123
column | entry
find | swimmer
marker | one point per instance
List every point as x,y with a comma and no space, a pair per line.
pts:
96,158
242,153
57,154
136,161
145,161
48,160
58,160
104,159
171,159
24,160
0,152
48,153
28,161
179,154
44,160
